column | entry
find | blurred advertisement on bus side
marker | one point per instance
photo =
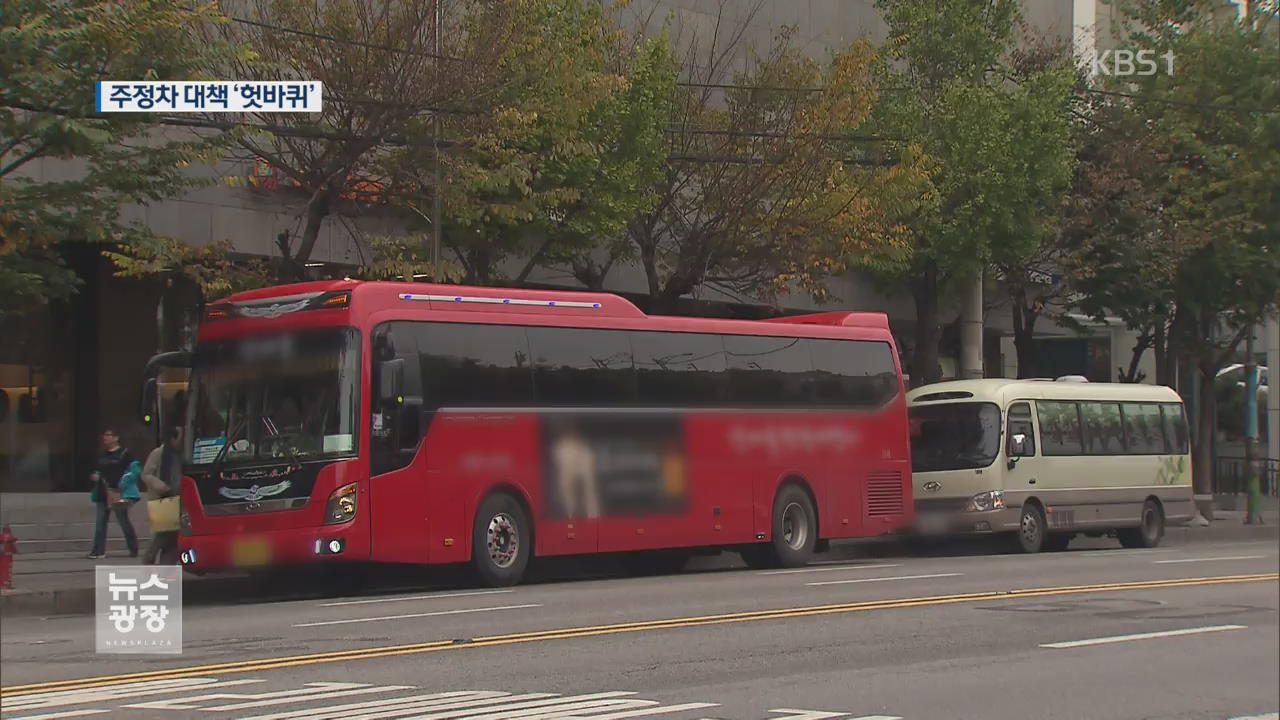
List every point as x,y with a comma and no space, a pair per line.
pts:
606,464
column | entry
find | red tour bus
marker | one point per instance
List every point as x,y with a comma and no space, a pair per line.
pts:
416,423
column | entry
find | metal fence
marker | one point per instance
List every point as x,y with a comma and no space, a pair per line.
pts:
1230,475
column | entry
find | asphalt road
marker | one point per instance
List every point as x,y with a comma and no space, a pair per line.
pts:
1177,632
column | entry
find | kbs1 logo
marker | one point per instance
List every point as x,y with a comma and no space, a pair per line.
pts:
1127,63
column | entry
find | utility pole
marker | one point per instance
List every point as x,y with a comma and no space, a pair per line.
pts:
971,345
435,144
1254,514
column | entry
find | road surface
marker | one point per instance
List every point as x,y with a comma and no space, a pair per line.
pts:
1176,632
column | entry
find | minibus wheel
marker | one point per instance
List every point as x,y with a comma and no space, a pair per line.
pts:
501,541
1149,533
1031,531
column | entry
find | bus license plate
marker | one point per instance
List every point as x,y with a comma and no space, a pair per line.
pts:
931,524
250,553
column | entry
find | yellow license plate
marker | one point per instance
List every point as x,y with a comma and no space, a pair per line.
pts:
250,553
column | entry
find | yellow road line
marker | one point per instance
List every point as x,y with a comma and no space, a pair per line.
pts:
597,630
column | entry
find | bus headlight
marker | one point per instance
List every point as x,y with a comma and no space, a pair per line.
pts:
342,505
990,500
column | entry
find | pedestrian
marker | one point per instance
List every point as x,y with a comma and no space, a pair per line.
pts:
115,490
162,478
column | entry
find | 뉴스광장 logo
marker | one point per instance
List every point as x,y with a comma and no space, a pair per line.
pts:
138,609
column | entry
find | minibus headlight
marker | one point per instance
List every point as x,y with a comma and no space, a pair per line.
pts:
990,500
342,505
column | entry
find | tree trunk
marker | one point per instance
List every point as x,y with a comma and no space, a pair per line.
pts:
317,210
1160,343
1024,325
1135,358
1206,430
924,361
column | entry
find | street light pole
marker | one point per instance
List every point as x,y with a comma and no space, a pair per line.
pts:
1254,514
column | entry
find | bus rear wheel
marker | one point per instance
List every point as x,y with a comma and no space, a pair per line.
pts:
501,541
1149,533
795,532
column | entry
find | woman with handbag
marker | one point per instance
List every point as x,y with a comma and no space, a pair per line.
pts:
115,490
162,476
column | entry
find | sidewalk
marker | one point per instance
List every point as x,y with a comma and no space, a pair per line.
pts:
61,583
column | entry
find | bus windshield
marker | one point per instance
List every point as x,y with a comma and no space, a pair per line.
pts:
272,398
954,436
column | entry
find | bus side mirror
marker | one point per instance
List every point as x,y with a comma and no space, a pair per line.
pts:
1017,448
149,404
391,381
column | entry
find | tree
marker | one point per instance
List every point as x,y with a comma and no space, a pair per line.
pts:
568,153
382,77
1118,248
760,195
995,136
1215,118
51,57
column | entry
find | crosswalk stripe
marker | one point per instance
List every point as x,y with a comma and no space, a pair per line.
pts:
83,697
459,708
333,712
62,715
655,711
562,711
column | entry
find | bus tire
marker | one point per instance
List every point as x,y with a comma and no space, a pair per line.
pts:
1031,534
795,532
501,541
1149,533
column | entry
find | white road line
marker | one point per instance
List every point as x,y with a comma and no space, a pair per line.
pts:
885,579
1210,559
415,597
1272,716
832,568
61,715
1142,636
417,615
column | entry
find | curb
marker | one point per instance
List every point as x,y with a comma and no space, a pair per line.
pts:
199,591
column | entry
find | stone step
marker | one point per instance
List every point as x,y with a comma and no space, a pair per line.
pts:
114,543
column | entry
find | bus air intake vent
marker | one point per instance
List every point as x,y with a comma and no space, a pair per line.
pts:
884,494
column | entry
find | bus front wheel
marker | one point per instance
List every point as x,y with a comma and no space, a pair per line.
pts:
1031,529
501,541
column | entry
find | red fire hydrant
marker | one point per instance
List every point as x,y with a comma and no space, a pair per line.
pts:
8,548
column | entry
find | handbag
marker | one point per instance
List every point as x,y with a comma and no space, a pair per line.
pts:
164,513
